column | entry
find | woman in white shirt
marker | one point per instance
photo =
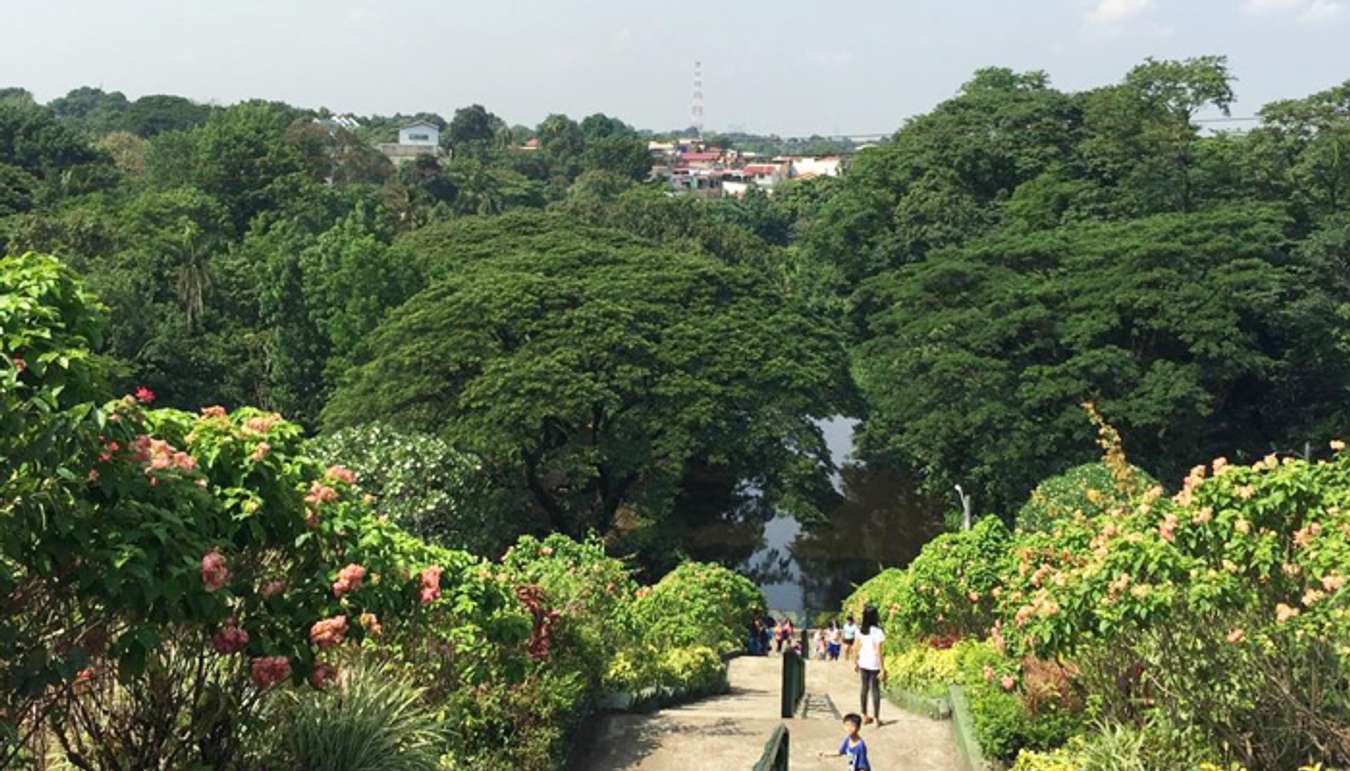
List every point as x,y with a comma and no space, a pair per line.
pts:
871,664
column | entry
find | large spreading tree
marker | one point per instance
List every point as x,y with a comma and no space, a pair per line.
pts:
591,369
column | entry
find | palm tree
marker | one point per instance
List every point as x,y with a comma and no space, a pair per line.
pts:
194,273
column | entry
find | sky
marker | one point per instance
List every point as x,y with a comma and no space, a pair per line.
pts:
792,67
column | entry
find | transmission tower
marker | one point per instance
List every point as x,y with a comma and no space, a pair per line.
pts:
696,109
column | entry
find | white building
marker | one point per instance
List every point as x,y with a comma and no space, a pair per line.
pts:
414,140
813,166
420,133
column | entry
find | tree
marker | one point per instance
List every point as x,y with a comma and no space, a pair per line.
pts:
472,129
588,368
623,155
92,111
1193,333
155,114
32,139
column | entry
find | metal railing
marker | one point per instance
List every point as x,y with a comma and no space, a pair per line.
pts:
775,755
794,681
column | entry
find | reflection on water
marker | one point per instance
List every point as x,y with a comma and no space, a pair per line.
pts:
878,519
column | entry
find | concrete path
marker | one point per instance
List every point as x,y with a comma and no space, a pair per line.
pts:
728,732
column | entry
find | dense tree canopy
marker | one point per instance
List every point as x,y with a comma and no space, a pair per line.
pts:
591,368
1200,335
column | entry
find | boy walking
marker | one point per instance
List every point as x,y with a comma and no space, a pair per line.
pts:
853,747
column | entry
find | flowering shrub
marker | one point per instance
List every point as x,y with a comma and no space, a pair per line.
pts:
948,590
1089,489
160,567
419,481
697,604
1222,607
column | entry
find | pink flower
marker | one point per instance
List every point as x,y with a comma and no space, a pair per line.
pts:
973,596
19,363
1168,527
260,452
1333,582
349,579
320,493
988,674
214,572
431,583
261,425
184,462
214,411
328,632
1245,492
270,670
140,448
1304,536
144,395
322,675
230,638
340,474
273,587
1008,682
1236,636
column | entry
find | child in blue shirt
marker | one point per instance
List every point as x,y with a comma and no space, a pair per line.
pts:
853,747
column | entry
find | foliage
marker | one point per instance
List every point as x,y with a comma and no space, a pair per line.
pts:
948,590
1220,609
697,604
610,364
421,483
982,387
1089,488
372,719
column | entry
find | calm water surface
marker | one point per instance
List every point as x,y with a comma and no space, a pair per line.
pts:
878,520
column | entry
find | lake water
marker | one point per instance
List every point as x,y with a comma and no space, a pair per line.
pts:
878,520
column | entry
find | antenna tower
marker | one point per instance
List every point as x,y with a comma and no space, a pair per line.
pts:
696,109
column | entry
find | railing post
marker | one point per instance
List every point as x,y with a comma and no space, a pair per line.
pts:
794,682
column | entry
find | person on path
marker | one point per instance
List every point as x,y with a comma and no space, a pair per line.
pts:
833,640
850,639
871,664
853,747
783,635
818,644
765,636
752,643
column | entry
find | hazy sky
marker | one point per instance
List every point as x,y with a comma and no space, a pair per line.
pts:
788,66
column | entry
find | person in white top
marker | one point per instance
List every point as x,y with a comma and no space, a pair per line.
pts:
871,664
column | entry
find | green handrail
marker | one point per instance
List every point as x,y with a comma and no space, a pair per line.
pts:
775,755
794,682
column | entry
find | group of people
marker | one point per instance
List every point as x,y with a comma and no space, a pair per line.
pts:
767,636
859,643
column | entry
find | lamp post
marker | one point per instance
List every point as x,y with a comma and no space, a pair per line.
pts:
965,507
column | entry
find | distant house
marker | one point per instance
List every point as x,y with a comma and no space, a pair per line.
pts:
420,133
414,141
765,175
809,166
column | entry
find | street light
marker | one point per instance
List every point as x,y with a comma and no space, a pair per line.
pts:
965,507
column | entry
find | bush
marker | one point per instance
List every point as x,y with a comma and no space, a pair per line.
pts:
1089,489
420,482
694,671
697,604
372,719
948,590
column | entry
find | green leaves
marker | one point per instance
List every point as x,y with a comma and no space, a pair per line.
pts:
586,367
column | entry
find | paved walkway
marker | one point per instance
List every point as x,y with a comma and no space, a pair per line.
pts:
728,732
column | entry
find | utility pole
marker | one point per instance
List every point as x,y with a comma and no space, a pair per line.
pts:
696,108
965,507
